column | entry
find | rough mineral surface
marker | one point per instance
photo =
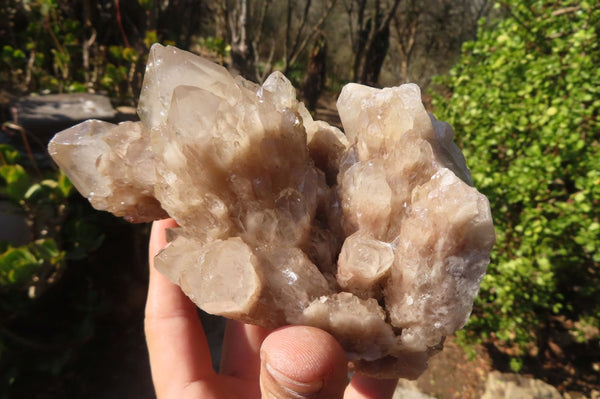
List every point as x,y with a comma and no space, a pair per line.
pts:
375,235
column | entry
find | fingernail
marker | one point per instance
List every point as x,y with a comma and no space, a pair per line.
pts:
292,388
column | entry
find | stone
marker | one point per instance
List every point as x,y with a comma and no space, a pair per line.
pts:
507,385
403,393
407,389
375,234
43,115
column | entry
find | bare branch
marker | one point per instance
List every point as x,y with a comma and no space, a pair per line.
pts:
349,6
565,10
261,22
301,27
406,36
311,37
260,77
391,12
288,28
377,28
243,23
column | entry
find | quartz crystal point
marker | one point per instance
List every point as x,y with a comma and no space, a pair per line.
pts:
375,235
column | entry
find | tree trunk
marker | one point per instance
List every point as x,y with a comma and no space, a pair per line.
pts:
374,56
315,74
372,41
406,34
242,51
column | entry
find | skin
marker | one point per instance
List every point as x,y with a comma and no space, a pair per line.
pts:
290,362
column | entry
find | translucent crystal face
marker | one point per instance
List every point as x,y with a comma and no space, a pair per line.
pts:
375,235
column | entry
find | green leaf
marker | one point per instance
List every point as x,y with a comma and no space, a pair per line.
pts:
77,87
47,249
116,52
150,38
146,4
17,266
16,180
8,154
130,54
64,185
32,191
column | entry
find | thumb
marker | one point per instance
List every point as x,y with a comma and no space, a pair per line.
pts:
302,362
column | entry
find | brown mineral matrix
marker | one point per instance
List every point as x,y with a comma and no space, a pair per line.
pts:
376,235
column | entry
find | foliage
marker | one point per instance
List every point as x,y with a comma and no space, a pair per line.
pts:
19,265
42,202
68,46
524,101
58,231
216,46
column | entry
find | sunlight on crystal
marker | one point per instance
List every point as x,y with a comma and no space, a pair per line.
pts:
375,234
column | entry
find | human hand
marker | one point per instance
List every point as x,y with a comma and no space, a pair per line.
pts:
290,362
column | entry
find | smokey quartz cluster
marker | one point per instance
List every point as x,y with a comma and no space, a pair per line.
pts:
376,235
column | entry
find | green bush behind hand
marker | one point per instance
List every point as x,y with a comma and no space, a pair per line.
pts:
524,101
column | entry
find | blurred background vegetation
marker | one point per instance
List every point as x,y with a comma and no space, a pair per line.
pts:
518,79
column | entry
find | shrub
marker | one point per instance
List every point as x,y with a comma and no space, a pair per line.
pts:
524,101
70,46
58,231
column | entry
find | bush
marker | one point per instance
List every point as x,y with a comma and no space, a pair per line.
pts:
524,101
59,230
72,46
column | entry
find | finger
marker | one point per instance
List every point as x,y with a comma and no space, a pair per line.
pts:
302,362
241,350
363,387
179,353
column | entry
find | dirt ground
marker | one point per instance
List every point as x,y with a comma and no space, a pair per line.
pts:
451,374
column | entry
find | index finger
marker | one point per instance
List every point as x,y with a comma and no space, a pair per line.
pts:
177,346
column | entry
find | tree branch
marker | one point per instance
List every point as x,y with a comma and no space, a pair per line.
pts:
566,10
261,22
315,32
301,27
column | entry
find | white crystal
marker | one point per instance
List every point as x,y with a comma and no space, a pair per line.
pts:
363,263
376,236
